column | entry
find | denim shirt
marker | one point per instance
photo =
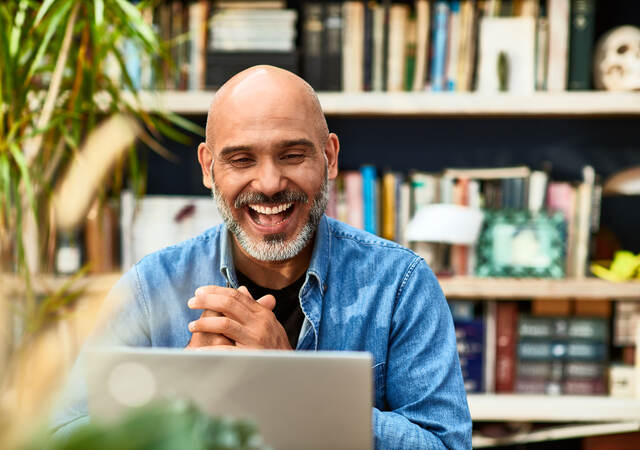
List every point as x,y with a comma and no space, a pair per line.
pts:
360,293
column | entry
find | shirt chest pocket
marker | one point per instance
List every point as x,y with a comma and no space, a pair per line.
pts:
379,384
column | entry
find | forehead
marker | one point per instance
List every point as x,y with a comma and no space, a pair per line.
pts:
261,127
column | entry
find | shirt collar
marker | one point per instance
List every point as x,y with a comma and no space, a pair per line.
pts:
318,266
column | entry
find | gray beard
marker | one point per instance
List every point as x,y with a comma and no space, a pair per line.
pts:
273,247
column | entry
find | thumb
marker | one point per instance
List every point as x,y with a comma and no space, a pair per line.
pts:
245,291
268,301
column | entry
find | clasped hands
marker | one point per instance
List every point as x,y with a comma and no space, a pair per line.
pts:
233,319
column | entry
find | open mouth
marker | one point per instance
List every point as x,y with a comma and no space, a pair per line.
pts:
270,215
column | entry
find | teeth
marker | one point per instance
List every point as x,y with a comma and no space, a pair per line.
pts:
268,210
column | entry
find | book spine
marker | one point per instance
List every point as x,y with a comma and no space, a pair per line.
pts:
453,47
422,44
312,34
389,202
410,54
332,64
379,61
439,57
368,46
369,199
507,322
354,198
581,43
353,47
396,61
558,11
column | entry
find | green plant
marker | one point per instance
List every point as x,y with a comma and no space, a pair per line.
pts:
161,426
57,101
54,90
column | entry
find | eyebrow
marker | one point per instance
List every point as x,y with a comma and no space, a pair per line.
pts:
226,151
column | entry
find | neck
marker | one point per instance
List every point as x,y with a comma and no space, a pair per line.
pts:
272,274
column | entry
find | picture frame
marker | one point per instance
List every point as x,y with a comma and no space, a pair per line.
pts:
517,243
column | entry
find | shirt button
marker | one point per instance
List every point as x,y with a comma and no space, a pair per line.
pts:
324,287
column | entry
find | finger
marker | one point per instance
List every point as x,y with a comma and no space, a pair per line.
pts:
221,325
230,348
241,297
245,291
207,339
268,301
222,304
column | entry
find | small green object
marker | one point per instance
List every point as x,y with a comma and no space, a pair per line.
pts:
503,71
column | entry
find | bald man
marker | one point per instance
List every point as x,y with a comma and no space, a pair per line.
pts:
279,274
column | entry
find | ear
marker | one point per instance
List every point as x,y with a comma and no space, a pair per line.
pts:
331,150
205,158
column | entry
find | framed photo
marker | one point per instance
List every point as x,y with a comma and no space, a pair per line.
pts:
521,244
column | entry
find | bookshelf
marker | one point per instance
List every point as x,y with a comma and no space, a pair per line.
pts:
459,287
545,408
407,104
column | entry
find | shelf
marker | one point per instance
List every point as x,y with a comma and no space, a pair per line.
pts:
586,103
537,288
545,408
454,288
556,433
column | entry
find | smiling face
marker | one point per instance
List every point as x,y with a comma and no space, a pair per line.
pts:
271,162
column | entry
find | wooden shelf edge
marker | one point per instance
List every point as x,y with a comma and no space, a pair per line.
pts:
545,408
538,288
585,103
557,433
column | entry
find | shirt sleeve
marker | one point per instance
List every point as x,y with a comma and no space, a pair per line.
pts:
123,321
425,395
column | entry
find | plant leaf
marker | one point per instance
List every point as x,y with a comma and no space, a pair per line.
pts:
51,29
16,31
42,11
20,160
99,12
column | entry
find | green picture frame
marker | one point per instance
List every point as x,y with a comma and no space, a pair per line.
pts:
521,244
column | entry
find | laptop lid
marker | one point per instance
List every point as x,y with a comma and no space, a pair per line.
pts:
300,400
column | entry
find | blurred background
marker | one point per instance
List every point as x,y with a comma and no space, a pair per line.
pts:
525,111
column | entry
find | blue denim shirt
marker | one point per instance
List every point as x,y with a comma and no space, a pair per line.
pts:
360,293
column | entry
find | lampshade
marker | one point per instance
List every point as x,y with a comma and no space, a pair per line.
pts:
447,223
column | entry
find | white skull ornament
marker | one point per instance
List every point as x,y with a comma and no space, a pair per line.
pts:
616,63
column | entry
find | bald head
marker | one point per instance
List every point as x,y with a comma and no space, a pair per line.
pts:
266,90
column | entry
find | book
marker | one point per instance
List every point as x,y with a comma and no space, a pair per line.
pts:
439,46
542,52
370,199
506,327
332,45
471,346
379,59
396,62
354,198
367,82
558,13
312,44
353,46
423,15
389,208
581,44
488,173
453,46
198,15
410,53
249,4
584,203
466,52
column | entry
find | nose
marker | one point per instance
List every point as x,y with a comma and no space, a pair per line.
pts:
270,179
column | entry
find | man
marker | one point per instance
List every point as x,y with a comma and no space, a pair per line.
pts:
281,275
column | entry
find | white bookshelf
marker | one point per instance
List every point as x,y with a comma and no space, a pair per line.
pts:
545,408
538,288
587,103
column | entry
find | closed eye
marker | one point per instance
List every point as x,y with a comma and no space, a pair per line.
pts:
241,162
294,157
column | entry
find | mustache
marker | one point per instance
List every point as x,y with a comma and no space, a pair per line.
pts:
253,197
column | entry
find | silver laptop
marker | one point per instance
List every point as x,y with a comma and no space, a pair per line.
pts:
300,400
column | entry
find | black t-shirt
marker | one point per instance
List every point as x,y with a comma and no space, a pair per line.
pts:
287,310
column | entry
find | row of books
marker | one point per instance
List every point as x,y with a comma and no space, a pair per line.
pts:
434,45
510,347
452,45
385,203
